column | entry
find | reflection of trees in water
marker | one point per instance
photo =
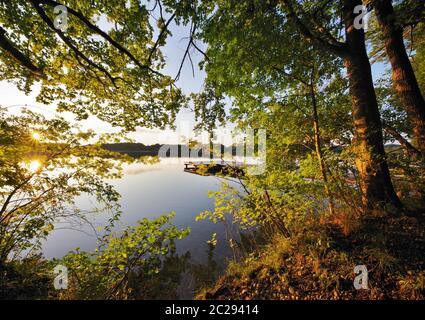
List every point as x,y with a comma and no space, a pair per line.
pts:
204,274
165,283
179,277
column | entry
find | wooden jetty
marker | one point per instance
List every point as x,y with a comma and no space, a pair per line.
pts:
213,168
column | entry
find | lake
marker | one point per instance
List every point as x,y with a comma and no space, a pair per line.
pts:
148,191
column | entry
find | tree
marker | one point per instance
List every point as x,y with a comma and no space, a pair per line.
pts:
320,23
209,112
126,262
375,180
114,74
44,165
403,76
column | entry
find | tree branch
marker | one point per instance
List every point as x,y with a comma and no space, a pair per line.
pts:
161,34
411,150
103,34
17,55
187,53
332,45
68,41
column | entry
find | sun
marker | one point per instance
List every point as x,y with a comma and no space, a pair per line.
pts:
34,165
36,136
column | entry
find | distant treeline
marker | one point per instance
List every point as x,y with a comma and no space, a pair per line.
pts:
140,149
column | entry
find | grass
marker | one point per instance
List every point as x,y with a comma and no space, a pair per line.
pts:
318,263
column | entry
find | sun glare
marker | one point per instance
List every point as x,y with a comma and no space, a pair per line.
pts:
34,165
36,136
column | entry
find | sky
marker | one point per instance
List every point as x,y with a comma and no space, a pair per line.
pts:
173,51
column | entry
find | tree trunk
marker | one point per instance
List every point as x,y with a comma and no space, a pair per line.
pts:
375,181
403,76
318,147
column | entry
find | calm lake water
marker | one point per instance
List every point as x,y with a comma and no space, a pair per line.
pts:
148,191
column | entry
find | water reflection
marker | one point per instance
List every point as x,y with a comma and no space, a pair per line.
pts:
179,277
149,191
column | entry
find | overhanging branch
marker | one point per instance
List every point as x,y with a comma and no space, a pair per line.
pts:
7,46
330,44
68,41
100,32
